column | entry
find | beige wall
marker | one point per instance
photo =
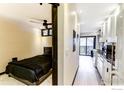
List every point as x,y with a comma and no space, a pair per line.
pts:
68,60
47,41
71,59
60,44
19,39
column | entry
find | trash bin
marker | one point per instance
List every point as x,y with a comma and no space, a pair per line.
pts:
91,53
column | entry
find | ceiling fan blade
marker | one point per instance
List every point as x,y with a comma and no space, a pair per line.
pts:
35,22
37,19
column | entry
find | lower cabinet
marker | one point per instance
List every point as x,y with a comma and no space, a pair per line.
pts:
115,80
107,73
104,69
100,66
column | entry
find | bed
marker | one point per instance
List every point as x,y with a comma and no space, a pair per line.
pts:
32,71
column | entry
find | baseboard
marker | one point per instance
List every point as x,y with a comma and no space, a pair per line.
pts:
100,82
2,73
75,75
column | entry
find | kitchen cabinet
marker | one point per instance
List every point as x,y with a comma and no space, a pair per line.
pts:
95,57
104,69
107,73
103,32
108,29
100,63
111,34
100,66
111,29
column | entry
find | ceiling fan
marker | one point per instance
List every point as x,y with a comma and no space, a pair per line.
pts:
40,21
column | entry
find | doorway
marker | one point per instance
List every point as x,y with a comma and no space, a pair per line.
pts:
87,44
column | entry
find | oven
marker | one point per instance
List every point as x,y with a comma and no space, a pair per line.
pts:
109,53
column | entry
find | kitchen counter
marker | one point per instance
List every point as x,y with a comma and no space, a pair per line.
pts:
103,56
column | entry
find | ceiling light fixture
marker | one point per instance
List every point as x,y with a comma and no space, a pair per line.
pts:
80,12
73,13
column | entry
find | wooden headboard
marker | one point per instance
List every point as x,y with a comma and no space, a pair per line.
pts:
48,50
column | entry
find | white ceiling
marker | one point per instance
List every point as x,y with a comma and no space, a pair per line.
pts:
91,15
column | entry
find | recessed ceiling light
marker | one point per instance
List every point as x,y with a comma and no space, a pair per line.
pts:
73,13
121,16
79,11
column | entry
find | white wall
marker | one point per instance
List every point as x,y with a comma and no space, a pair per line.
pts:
119,55
70,59
60,44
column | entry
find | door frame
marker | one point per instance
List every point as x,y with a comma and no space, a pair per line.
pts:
94,44
54,13
55,43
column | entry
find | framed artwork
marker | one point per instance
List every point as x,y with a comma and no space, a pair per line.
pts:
46,32
74,40
50,32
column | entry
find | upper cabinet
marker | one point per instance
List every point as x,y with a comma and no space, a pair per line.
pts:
108,29
111,36
103,32
108,32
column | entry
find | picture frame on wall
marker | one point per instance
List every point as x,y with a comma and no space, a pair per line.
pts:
50,32
74,40
46,32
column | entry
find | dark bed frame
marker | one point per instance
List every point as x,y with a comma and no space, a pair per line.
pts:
41,79
44,77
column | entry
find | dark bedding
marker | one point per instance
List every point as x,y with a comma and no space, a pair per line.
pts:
30,69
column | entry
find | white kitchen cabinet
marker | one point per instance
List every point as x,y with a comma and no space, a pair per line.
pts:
107,73
108,27
113,27
95,57
100,64
104,69
112,37
103,32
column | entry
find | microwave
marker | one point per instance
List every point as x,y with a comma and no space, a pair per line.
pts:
109,52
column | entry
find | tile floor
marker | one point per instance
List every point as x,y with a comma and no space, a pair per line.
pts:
5,80
87,73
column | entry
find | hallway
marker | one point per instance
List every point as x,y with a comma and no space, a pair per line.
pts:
87,74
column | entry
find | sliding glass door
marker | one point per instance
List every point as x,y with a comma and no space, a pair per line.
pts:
83,46
86,45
